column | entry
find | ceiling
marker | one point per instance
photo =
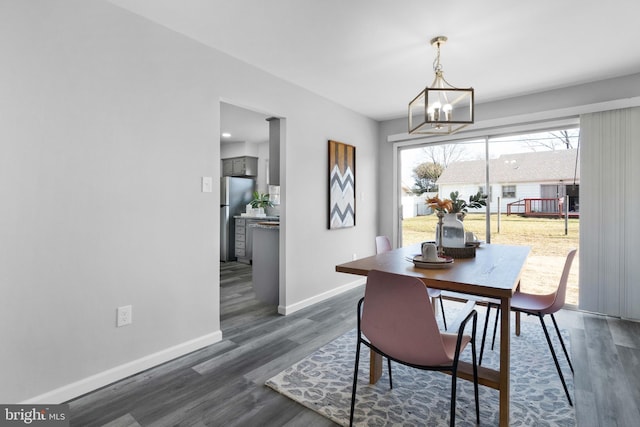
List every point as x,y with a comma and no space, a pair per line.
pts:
374,56
243,125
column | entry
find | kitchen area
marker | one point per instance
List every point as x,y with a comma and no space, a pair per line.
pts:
250,199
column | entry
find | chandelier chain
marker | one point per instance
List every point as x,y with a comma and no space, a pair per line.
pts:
437,67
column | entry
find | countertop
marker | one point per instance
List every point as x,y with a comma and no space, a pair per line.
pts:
258,218
266,225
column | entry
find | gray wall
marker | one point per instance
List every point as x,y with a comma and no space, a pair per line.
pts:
107,123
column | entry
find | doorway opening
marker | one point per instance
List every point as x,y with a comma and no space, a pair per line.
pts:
249,196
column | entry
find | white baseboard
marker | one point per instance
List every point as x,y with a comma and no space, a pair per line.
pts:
112,375
285,310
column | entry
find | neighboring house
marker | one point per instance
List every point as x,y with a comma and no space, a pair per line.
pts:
514,177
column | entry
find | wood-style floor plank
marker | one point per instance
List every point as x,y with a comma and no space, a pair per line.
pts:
223,384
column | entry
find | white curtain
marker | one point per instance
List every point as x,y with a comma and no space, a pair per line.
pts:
609,213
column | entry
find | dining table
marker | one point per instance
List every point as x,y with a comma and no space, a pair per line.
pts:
494,272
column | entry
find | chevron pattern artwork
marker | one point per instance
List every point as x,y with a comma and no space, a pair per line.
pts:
342,185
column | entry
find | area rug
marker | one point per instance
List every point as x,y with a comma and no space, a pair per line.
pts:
323,380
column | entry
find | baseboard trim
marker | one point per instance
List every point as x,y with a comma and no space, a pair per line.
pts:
289,309
94,382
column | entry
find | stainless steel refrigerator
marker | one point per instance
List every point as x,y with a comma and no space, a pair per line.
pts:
235,194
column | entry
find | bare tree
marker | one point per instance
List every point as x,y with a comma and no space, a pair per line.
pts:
552,141
444,154
564,137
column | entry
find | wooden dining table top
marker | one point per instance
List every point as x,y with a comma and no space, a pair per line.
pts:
494,271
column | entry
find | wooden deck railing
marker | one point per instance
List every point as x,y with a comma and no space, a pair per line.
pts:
537,207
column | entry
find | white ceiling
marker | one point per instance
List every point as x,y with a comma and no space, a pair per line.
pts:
243,125
374,56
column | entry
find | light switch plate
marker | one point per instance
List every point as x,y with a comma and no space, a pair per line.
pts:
207,184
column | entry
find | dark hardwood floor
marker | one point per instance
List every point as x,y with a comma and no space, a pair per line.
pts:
223,384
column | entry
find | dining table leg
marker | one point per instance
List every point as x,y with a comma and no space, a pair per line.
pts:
375,366
518,315
505,339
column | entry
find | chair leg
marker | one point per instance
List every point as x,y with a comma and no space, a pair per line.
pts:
444,319
495,327
390,378
355,382
564,348
475,377
452,421
555,358
484,332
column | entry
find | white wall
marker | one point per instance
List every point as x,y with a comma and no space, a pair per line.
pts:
107,123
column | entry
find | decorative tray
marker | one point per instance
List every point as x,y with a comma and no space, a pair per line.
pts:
469,251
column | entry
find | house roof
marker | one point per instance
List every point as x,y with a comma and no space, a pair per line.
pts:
542,166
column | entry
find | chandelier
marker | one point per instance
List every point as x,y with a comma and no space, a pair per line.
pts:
440,109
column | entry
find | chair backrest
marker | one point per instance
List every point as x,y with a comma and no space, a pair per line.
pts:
561,292
398,319
383,244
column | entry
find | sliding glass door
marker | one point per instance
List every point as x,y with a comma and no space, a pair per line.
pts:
532,186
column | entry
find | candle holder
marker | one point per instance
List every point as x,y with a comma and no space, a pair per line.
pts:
439,239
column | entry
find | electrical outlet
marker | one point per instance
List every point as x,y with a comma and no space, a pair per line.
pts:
124,315
354,257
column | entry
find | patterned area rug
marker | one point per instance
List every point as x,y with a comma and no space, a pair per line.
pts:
323,380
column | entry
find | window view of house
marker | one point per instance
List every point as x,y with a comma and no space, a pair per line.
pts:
534,182
509,191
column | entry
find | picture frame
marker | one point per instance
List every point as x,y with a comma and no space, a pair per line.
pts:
342,185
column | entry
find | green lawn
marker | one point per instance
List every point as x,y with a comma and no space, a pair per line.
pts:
546,236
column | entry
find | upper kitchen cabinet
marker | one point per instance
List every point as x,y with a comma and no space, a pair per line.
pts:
240,166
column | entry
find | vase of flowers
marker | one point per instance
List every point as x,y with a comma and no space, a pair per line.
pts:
451,212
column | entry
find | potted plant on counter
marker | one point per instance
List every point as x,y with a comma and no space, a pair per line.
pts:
260,202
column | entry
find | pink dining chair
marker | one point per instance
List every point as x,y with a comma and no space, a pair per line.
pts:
396,320
540,305
383,244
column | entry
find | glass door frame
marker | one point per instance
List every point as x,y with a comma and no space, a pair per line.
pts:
481,132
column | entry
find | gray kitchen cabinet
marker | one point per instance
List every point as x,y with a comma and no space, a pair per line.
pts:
227,167
240,245
240,166
244,237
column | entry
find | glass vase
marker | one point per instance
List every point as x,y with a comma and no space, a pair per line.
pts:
452,232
